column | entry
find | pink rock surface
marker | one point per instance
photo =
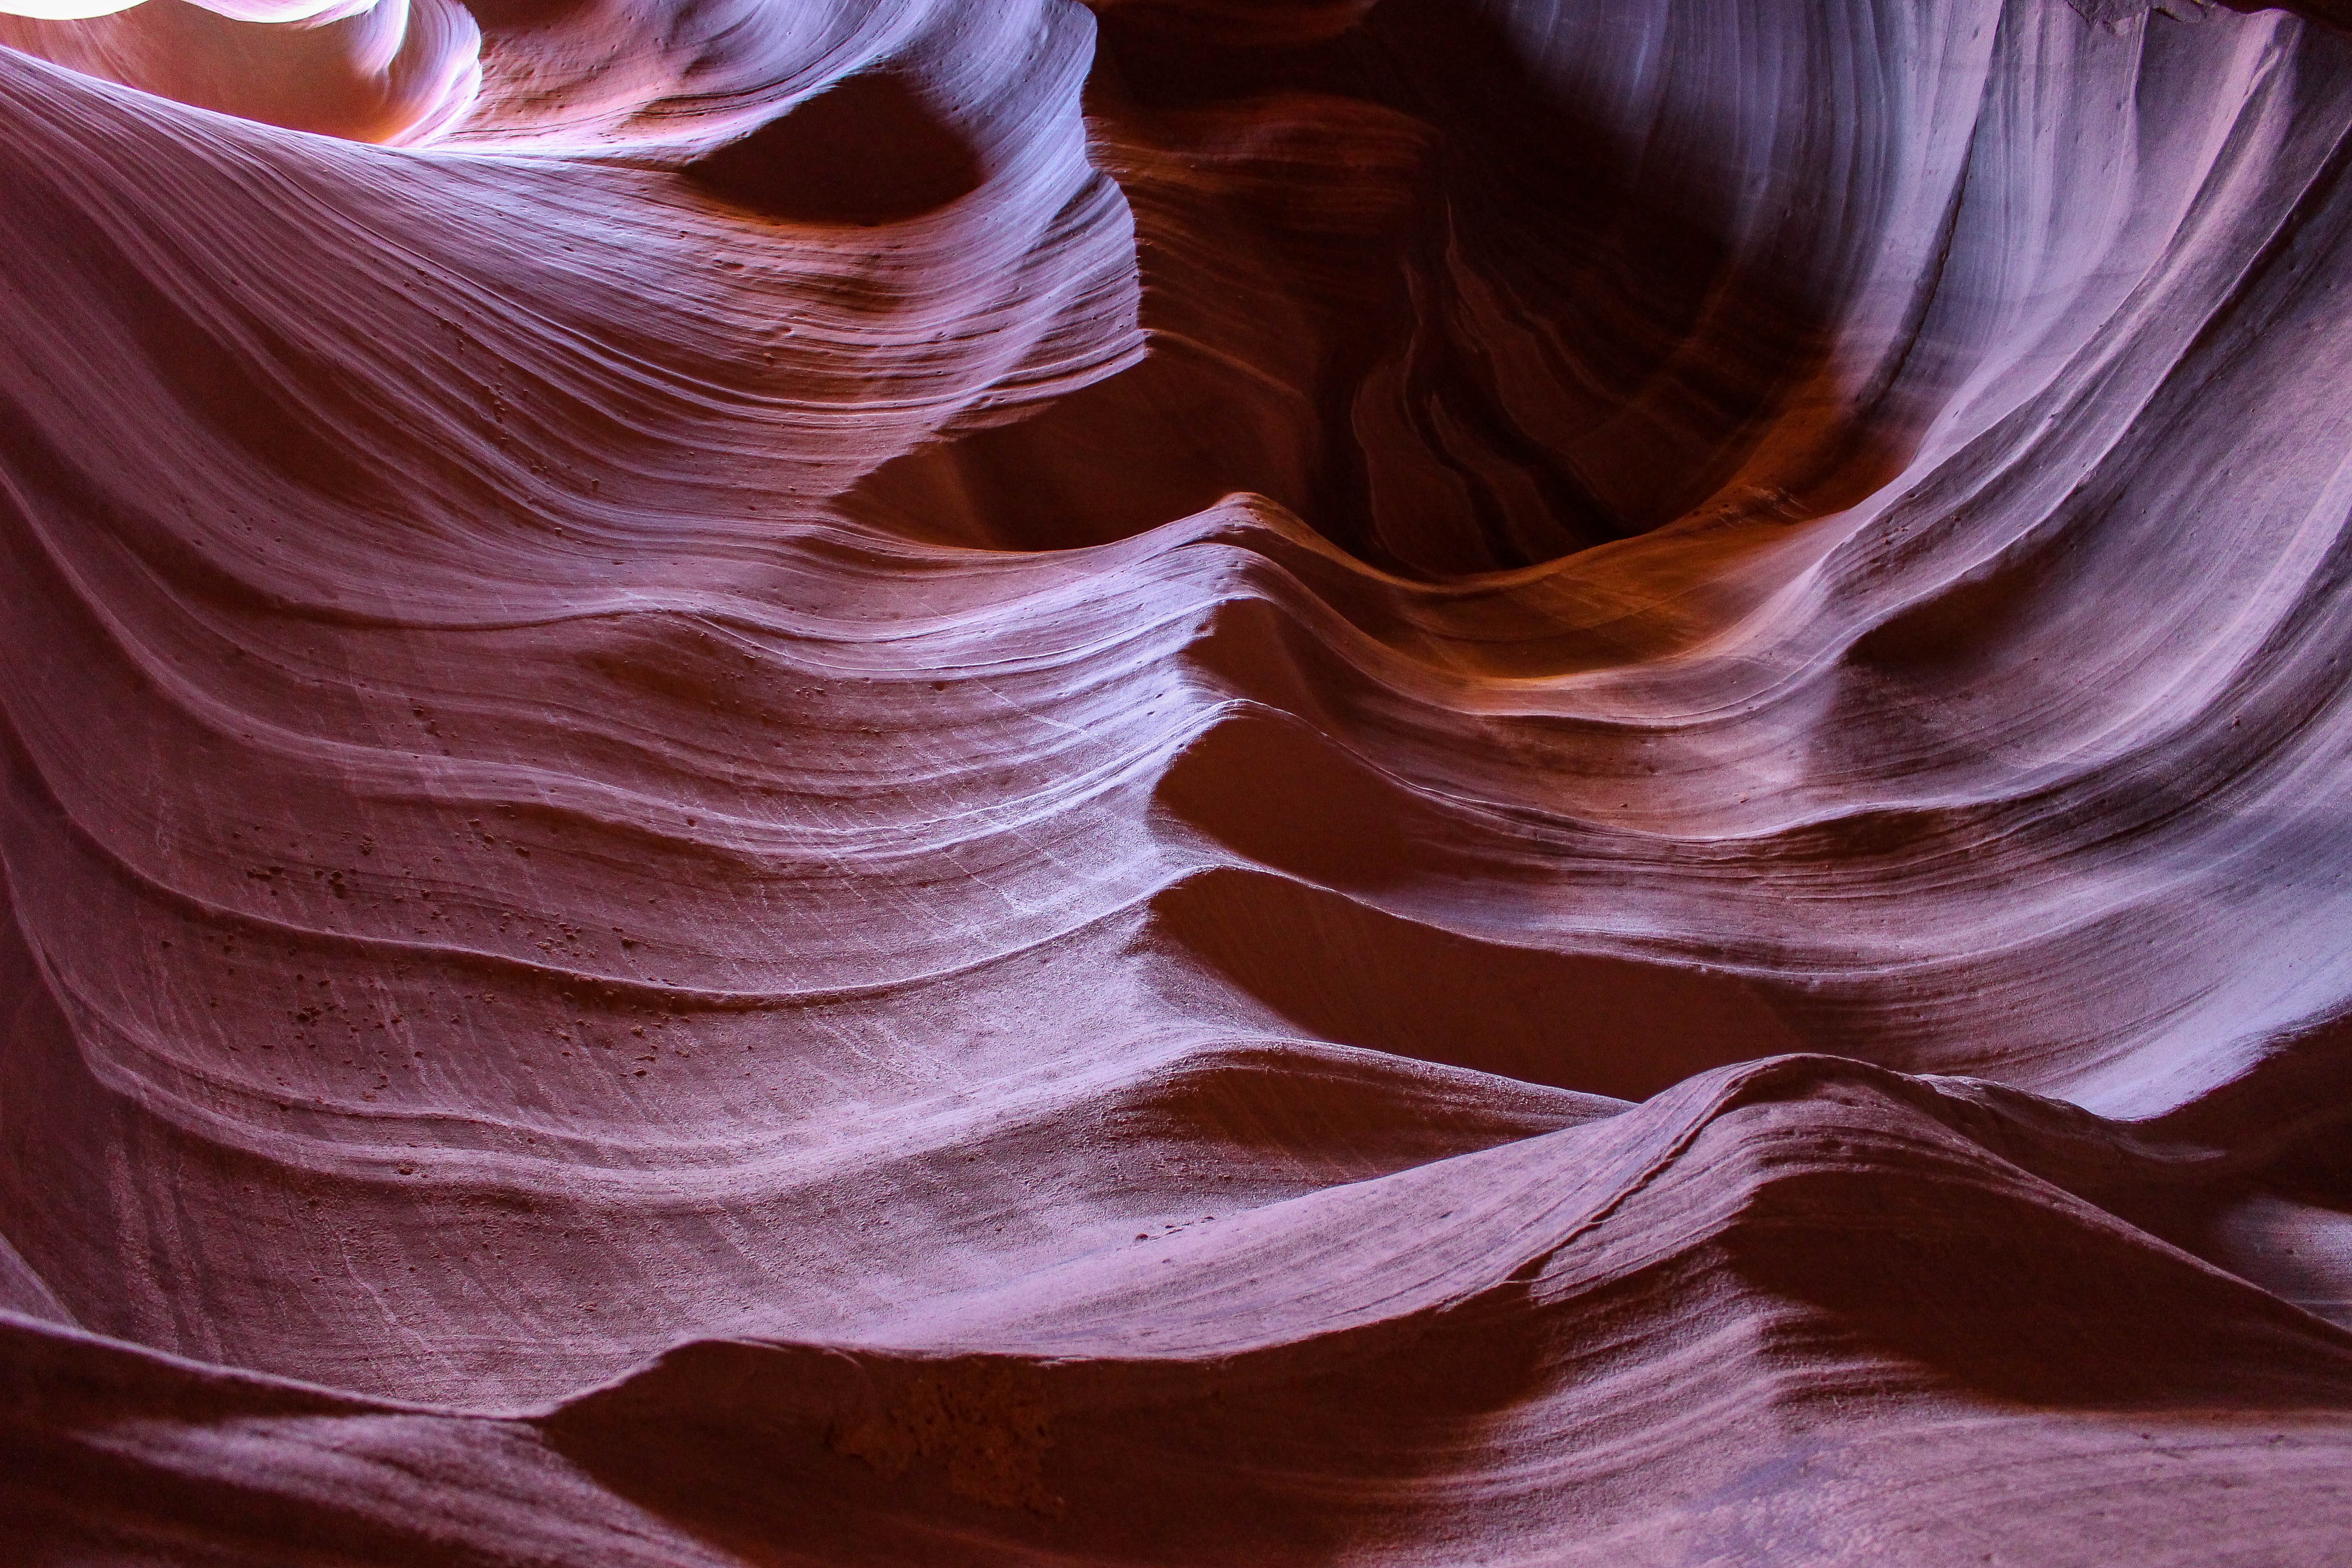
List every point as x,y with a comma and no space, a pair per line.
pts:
1241,782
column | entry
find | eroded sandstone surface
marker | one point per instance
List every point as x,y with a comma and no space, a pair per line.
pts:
1194,782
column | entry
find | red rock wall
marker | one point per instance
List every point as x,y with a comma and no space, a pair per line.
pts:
1390,782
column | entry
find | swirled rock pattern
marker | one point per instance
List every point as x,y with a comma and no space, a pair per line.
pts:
1403,782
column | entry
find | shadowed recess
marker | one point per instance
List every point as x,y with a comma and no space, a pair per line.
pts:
865,151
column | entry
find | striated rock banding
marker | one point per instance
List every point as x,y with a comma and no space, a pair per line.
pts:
895,780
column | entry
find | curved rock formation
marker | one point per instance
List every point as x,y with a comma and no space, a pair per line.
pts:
377,70
1196,782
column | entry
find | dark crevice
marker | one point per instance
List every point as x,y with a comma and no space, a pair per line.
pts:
867,150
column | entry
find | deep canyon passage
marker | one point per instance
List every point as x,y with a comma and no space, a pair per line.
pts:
1389,782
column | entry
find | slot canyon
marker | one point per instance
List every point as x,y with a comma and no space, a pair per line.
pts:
1175,783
